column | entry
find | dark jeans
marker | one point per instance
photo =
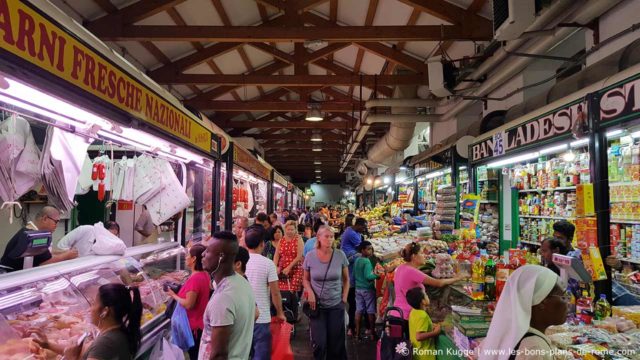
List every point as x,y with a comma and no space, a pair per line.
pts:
351,301
261,343
328,334
193,351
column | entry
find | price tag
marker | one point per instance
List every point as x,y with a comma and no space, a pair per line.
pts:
498,144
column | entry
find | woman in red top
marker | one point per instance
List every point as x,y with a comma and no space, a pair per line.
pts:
288,258
194,295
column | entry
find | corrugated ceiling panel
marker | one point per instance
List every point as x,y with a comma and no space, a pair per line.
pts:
371,64
230,63
347,56
242,12
199,12
352,12
257,57
392,12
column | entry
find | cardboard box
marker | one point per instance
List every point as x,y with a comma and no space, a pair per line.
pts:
585,200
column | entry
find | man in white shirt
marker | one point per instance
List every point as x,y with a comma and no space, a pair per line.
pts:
83,237
229,316
263,277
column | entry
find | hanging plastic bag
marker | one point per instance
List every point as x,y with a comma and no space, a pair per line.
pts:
164,350
281,340
106,243
181,334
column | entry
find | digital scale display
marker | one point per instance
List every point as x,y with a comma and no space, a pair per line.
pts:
40,242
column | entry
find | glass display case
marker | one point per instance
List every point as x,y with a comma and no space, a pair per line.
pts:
56,298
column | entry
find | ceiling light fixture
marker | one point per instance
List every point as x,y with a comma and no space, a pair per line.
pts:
316,137
314,113
317,162
318,170
316,148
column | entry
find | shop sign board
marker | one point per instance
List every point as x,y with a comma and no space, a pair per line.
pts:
279,179
248,162
30,35
555,123
620,101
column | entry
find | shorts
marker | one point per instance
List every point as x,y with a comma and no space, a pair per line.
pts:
365,301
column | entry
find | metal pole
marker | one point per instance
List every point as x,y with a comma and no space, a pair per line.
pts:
228,211
600,179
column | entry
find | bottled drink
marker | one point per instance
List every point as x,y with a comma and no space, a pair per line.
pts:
502,274
603,308
490,280
584,308
477,279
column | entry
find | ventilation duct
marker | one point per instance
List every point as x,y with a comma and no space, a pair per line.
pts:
388,150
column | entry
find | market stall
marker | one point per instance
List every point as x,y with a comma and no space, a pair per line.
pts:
57,297
124,150
442,180
279,192
537,173
99,155
249,183
290,205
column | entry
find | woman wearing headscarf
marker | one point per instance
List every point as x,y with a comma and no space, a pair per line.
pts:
532,300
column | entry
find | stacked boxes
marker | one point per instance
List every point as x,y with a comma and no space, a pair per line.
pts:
625,240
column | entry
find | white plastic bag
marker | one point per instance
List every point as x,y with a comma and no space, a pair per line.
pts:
107,243
164,350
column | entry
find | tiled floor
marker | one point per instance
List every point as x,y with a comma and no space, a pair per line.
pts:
302,347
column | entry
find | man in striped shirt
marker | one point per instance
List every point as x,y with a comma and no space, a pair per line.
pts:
263,278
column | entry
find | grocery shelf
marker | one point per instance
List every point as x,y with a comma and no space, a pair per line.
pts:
623,183
547,217
629,260
561,188
530,243
631,222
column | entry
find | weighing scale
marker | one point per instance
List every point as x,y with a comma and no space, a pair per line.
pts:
37,242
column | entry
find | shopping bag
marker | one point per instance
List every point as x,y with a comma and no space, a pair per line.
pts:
106,243
281,340
181,334
163,350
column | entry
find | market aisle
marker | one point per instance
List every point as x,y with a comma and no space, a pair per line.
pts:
302,347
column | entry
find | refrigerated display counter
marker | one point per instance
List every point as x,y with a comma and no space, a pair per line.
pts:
56,298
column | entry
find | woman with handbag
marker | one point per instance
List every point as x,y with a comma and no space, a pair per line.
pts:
288,259
326,283
194,295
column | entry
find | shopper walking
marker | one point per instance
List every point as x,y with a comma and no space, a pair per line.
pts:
263,277
194,295
272,245
326,283
116,312
310,245
230,313
365,288
532,300
407,276
288,258
350,240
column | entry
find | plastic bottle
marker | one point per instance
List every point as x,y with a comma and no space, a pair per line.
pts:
490,280
603,308
584,308
477,279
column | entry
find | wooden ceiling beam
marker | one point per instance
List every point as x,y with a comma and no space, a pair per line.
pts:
280,106
199,57
221,90
278,4
132,14
305,5
325,51
222,118
243,34
286,125
394,55
307,146
296,136
293,80
450,13
371,13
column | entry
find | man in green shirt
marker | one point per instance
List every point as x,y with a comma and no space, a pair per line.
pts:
365,287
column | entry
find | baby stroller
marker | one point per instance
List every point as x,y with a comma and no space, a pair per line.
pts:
290,306
394,343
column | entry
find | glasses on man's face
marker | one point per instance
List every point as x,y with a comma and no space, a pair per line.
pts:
54,220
